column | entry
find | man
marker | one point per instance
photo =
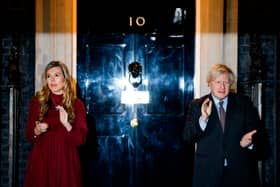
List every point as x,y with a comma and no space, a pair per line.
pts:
227,133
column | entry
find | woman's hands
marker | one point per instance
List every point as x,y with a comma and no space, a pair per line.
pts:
63,117
40,128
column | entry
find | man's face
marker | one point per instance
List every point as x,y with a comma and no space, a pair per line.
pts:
220,86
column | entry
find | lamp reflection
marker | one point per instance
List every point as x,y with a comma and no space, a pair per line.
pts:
135,97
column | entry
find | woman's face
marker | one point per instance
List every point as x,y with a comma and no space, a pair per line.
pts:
220,86
55,80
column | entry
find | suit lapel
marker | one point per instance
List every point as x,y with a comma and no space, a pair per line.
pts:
230,111
214,118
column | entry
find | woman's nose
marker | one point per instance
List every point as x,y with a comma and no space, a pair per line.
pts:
52,78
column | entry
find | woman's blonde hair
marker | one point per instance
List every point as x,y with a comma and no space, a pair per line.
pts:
69,91
218,69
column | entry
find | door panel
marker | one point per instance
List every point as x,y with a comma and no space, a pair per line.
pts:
136,144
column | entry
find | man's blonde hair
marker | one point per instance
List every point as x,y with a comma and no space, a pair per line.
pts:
218,69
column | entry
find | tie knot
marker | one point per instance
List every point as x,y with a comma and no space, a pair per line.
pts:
221,103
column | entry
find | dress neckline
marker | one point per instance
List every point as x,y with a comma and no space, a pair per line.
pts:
56,99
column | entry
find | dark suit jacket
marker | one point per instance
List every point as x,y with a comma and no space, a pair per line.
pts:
213,145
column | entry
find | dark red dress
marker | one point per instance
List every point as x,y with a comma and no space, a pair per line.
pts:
54,159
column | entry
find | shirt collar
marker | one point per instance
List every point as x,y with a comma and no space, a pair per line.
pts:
216,101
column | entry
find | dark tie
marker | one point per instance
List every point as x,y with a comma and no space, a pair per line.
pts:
222,114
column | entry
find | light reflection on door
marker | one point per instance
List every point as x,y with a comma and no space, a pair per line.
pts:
148,151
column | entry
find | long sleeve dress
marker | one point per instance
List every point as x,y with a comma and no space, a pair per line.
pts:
54,159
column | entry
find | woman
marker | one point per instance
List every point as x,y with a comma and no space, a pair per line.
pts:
56,126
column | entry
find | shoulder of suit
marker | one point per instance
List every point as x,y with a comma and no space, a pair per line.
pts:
200,99
239,98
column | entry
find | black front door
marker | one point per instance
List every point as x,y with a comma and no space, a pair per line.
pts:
136,81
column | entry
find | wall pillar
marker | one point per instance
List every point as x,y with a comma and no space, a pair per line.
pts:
56,22
215,38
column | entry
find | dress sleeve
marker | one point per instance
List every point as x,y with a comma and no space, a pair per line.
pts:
77,136
33,116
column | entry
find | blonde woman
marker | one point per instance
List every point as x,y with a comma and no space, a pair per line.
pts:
56,126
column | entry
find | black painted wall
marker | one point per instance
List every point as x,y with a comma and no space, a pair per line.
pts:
25,88
258,66
16,35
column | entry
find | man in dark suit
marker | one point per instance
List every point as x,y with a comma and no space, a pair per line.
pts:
228,137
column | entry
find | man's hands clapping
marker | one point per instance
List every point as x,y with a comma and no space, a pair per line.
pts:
206,109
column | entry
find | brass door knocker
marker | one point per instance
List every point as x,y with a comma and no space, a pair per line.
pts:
135,74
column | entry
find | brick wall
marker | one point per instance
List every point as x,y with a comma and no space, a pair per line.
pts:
258,63
25,45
